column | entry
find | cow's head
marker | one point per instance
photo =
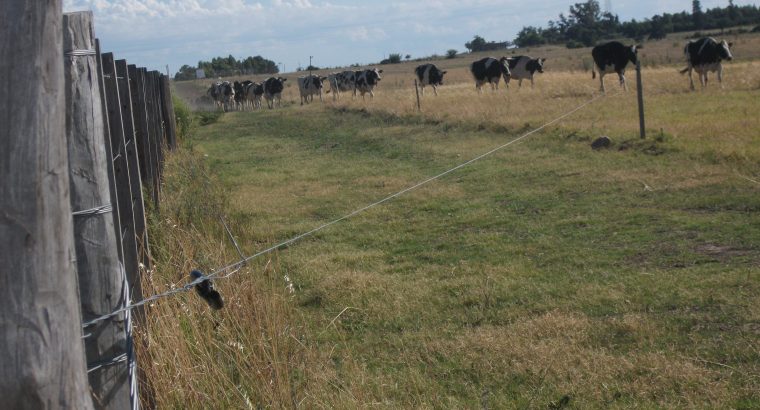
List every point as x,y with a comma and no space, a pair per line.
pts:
633,53
540,62
725,50
440,81
373,76
504,68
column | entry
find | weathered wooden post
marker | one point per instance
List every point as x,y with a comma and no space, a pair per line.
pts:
167,106
417,90
153,135
121,172
130,144
160,140
111,172
640,95
101,276
137,88
41,349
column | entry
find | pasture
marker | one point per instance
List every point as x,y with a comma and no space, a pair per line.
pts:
546,275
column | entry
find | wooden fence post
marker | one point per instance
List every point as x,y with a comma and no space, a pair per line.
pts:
137,88
111,176
150,106
130,142
417,91
41,349
160,129
167,105
98,266
121,172
640,96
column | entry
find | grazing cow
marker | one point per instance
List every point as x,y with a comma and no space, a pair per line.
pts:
342,82
429,74
239,87
309,86
523,67
613,57
273,87
490,70
367,80
213,92
223,94
705,55
253,94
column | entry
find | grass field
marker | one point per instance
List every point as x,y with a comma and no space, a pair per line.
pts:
548,275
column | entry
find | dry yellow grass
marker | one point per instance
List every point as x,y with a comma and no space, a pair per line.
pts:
374,323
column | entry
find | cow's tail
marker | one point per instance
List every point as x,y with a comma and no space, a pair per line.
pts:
684,71
593,74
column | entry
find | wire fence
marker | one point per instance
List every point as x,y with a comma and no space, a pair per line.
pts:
233,268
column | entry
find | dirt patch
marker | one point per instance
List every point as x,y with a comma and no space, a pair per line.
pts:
722,252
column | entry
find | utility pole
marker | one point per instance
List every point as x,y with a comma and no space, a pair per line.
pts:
310,57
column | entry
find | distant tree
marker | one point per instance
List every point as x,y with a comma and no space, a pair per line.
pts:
696,14
311,68
394,58
451,53
408,57
530,36
476,44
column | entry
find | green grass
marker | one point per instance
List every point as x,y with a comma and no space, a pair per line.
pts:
620,278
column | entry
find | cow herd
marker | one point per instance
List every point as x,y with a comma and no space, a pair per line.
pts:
703,56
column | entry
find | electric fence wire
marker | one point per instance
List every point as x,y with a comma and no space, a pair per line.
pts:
236,266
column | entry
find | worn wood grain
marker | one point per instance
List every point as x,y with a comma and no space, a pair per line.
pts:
121,172
138,208
101,277
41,351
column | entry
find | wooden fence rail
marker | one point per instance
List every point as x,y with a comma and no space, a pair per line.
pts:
88,134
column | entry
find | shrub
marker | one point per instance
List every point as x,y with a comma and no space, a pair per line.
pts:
451,53
183,116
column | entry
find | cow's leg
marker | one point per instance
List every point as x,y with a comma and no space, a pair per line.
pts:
720,75
621,76
422,89
601,80
435,90
531,82
519,83
704,75
691,78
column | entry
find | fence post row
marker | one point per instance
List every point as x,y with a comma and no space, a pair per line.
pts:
97,257
133,162
41,350
121,173
85,138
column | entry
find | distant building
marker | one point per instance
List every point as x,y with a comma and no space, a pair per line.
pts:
199,73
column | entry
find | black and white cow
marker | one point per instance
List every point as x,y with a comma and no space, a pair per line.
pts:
342,82
240,96
253,94
613,57
310,86
705,55
367,80
429,74
273,87
213,92
523,68
490,70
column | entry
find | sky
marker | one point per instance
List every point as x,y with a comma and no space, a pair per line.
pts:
156,33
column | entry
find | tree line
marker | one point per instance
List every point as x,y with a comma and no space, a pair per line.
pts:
226,66
586,24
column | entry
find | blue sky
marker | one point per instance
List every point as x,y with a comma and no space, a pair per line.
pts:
154,33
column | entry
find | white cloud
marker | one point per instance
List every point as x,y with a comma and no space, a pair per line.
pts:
335,32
